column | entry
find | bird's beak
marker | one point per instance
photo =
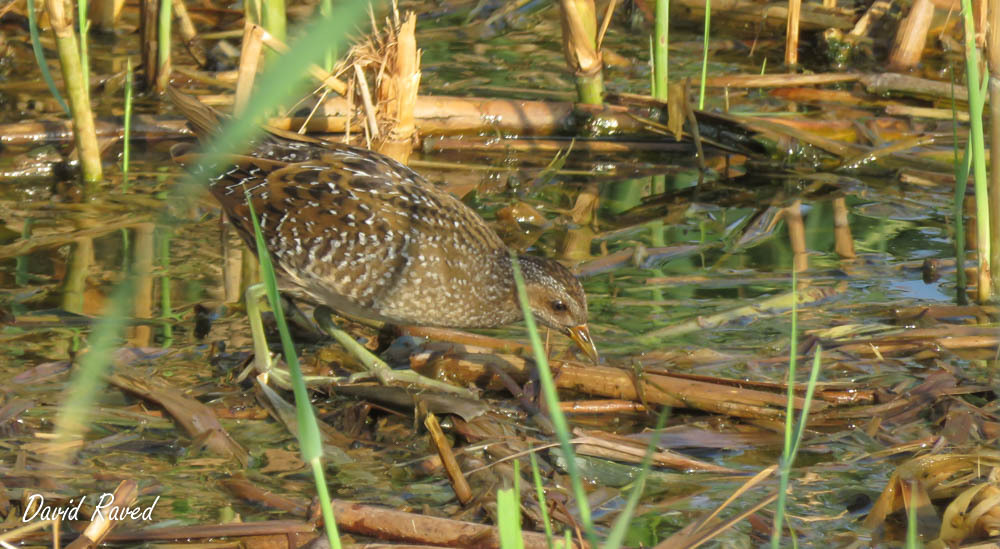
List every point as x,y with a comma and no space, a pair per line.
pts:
581,335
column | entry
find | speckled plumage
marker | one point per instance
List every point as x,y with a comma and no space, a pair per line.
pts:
365,235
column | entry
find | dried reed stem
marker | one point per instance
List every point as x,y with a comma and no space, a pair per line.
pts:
253,40
397,92
792,33
908,47
993,63
579,28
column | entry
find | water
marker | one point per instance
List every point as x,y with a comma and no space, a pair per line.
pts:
696,250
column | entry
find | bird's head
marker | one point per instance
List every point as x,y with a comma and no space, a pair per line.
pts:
557,300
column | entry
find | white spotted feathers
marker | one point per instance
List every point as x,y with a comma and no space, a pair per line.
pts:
355,230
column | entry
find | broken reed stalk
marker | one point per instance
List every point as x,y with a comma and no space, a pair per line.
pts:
78,91
188,33
148,10
977,143
269,14
397,92
582,51
908,46
104,13
254,38
792,33
993,56
249,61
843,243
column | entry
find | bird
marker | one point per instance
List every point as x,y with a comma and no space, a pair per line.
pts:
357,231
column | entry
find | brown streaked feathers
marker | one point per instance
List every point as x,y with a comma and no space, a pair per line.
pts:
365,235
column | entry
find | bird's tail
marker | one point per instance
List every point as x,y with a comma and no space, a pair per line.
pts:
202,119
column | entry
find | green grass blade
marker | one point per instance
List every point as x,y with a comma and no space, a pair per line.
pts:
806,403
309,437
88,379
36,47
912,532
536,476
509,513
704,59
84,23
281,82
624,520
559,422
310,441
323,494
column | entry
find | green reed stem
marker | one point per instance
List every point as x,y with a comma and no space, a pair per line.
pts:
551,398
661,53
166,303
127,137
43,66
704,58
976,103
912,531
793,437
591,89
273,19
78,91
163,31
958,204
83,22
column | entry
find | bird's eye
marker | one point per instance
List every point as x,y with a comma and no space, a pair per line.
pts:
558,306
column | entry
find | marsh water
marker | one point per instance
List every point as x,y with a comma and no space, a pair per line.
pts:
692,244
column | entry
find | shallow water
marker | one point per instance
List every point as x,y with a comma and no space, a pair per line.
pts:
728,255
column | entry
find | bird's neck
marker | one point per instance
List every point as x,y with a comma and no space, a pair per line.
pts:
504,290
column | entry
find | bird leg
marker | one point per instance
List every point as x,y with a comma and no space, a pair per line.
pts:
261,354
296,316
375,366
